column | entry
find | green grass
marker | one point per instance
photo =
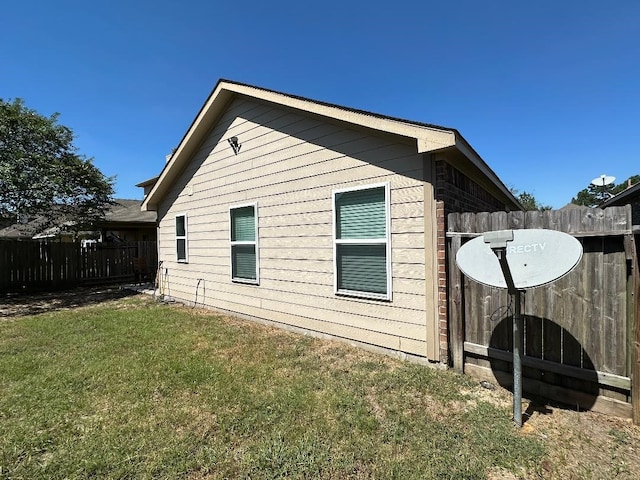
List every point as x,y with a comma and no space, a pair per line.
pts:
134,389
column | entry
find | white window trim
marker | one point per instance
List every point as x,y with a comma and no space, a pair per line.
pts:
181,237
387,240
256,243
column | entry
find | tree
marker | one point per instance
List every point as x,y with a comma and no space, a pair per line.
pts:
43,176
593,196
528,201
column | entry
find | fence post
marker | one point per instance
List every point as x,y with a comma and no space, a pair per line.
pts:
456,313
635,373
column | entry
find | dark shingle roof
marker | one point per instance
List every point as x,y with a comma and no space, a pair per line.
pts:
123,211
129,211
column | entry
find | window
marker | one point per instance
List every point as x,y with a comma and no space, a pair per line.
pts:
244,243
362,247
181,238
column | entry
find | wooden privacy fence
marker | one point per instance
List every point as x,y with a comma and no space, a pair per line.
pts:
27,265
581,344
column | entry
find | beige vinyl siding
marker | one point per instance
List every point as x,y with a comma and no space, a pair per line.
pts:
289,164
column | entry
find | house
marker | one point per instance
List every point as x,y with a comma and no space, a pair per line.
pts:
317,217
147,185
123,222
630,196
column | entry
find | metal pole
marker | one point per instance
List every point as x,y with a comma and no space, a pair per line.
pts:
501,252
517,366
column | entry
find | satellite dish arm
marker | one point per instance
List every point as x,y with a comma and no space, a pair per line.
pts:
501,253
498,243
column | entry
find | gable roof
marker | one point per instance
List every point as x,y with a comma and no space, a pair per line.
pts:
428,137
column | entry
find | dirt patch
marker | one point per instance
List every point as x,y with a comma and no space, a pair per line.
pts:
580,445
13,305
585,444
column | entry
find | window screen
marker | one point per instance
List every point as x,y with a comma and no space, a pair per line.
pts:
361,241
244,245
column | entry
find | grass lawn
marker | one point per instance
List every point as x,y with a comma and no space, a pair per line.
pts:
130,388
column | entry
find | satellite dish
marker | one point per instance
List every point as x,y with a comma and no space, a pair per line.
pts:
515,260
603,180
535,256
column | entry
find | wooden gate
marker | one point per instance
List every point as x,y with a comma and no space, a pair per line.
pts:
578,331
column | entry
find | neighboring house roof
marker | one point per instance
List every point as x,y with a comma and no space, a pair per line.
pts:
53,232
428,137
123,212
128,211
624,197
17,230
146,183
572,206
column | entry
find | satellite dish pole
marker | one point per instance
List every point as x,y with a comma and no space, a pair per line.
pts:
602,181
498,243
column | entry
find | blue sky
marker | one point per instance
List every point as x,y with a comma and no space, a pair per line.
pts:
547,92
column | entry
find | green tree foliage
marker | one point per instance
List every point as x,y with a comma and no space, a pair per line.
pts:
43,176
593,196
528,201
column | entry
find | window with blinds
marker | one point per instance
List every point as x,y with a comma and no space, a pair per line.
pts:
244,243
181,238
362,247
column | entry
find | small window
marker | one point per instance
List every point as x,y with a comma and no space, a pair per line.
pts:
362,247
181,238
244,243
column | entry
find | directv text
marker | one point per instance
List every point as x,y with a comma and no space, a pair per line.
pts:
530,248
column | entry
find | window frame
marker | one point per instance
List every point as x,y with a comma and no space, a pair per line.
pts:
379,241
184,237
256,244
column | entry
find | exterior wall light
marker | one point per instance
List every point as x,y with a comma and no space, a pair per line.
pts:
233,141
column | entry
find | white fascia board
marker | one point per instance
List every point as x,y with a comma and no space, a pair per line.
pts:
199,127
435,140
427,138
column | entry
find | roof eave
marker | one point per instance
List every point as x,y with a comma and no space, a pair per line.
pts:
428,138
621,196
214,104
463,146
146,183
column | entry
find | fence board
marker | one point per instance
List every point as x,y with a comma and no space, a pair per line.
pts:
27,265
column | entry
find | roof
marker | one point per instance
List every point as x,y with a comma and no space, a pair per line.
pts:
129,211
146,183
124,211
623,197
17,230
427,137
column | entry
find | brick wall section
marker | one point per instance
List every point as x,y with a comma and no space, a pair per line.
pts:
455,192
460,193
442,281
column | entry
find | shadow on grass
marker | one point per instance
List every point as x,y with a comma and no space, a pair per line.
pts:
22,304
